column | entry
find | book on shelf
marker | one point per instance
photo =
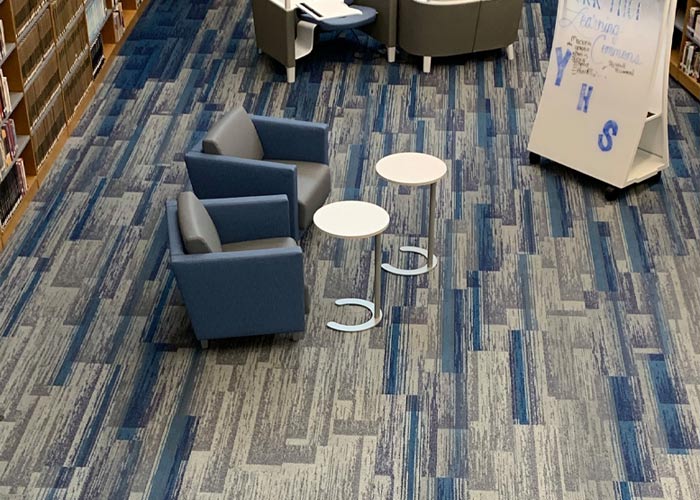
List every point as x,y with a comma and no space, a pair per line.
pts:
688,48
11,192
5,98
35,44
3,43
9,137
96,15
48,129
690,60
64,12
8,143
5,155
118,21
97,55
24,11
76,84
22,175
70,47
693,25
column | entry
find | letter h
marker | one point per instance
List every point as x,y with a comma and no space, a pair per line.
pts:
585,97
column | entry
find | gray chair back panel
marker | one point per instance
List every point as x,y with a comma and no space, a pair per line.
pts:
499,21
234,135
384,28
275,31
436,29
199,235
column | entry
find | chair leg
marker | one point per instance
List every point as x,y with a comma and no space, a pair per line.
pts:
296,337
391,54
291,74
510,52
426,64
204,343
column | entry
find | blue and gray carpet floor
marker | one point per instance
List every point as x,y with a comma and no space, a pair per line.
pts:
553,354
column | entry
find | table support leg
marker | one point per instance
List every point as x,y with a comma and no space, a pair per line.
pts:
431,224
429,254
378,276
374,307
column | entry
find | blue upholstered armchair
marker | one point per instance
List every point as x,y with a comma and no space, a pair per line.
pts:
248,155
239,271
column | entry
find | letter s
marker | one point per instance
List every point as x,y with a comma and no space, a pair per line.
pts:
605,139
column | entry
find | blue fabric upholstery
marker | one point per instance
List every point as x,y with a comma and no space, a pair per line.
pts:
367,16
214,176
237,294
217,176
284,139
250,218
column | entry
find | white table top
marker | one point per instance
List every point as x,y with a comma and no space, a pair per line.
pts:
411,169
326,9
320,9
351,219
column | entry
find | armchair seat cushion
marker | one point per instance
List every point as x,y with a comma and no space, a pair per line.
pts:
264,244
367,15
313,188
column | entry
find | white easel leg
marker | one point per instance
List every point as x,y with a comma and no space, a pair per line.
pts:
291,74
510,52
391,54
426,64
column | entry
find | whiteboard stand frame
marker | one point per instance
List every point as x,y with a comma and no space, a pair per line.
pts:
652,154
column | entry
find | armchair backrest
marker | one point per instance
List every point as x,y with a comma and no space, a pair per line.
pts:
197,230
384,29
438,28
234,135
275,30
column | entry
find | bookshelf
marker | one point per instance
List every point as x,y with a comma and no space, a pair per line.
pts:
684,33
56,54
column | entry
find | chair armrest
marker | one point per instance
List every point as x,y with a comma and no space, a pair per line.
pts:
286,139
214,176
250,218
174,236
243,293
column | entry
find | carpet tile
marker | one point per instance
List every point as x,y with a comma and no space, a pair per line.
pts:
554,353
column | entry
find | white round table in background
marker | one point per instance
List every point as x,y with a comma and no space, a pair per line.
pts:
355,220
415,169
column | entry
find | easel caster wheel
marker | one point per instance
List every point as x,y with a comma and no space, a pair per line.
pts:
611,193
535,159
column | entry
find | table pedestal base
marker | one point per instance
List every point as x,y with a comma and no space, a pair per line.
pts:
412,272
373,321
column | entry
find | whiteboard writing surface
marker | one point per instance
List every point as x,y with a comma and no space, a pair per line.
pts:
598,89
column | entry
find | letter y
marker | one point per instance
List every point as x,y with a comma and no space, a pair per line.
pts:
562,61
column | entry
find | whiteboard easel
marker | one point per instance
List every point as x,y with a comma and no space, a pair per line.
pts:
604,106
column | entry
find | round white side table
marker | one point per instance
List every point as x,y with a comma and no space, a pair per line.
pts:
354,220
415,169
